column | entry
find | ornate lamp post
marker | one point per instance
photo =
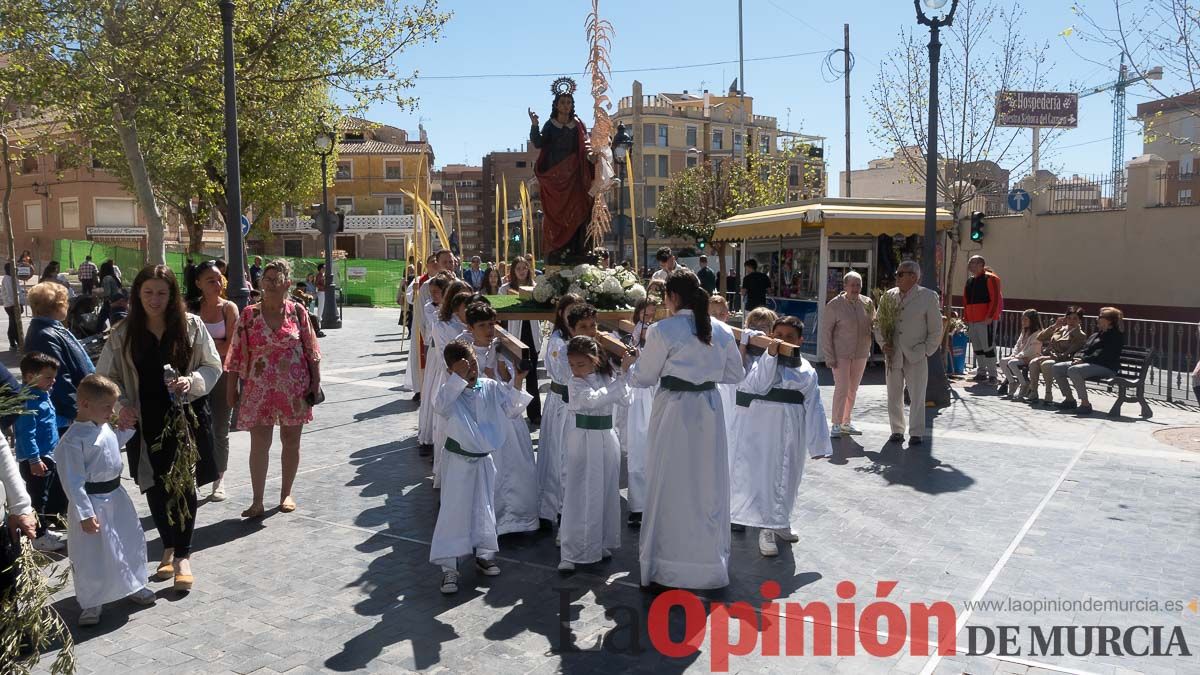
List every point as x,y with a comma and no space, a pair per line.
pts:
324,146
938,391
621,144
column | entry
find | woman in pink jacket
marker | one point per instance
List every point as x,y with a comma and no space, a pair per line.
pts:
846,345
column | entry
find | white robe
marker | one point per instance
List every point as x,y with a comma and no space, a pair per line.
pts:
554,415
478,420
417,298
770,443
591,510
443,333
684,540
516,497
728,398
634,440
428,316
110,564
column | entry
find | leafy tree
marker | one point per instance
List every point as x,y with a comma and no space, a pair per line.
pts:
980,57
698,197
141,82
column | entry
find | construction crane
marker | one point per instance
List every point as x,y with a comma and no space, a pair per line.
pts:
1118,89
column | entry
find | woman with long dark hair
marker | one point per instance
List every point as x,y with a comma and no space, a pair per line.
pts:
159,335
520,273
491,281
685,525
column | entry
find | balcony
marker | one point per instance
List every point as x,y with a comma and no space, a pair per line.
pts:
381,224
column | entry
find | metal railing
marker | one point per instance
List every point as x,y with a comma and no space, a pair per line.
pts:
1081,194
1176,348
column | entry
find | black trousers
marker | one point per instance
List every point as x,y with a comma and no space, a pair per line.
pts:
14,315
179,535
534,410
9,550
46,494
88,285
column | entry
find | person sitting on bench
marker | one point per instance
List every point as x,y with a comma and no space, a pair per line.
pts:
1100,358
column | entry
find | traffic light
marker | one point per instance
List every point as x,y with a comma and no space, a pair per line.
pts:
977,225
341,221
701,243
314,212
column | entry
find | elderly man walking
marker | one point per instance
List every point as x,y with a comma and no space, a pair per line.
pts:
982,305
918,335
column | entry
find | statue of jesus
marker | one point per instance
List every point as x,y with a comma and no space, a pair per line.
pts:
565,171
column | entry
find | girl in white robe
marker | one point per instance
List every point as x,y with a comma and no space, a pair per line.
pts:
781,420
591,515
549,455
684,538
108,564
445,329
516,494
520,273
718,309
637,421
477,412
433,360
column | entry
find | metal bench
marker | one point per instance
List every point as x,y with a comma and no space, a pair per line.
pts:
1135,363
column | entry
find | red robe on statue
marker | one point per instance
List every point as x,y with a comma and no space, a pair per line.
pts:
566,204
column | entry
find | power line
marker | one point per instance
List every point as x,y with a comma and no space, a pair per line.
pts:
618,70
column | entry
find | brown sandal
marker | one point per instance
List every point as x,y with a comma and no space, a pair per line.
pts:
255,511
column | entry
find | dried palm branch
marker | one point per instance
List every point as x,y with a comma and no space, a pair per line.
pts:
599,35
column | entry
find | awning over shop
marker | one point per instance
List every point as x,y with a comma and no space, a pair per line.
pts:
839,217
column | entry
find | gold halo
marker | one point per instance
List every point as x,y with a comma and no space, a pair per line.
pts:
563,85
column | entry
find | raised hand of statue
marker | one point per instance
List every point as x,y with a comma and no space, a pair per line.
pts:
533,117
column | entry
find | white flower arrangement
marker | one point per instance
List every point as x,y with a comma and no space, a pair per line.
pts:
615,288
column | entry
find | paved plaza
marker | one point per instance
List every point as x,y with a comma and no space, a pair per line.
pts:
1004,503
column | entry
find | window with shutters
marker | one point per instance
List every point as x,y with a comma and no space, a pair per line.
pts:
70,214
664,168
648,165
293,248
664,136
648,132
692,134
718,139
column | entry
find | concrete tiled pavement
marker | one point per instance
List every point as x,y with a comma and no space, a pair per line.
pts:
1004,502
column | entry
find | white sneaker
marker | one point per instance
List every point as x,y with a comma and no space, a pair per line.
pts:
144,597
218,491
566,566
90,616
787,535
605,554
449,582
835,431
766,543
849,430
49,543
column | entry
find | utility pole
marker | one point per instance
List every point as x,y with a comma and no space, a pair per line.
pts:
742,76
846,55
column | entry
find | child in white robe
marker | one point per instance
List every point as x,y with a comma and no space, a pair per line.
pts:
718,309
477,412
108,548
549,454
591,517
516,496
637,421
445,328
780,421
433,359
684,539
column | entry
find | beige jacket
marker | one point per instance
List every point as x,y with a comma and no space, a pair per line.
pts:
846,328
918,326
116,365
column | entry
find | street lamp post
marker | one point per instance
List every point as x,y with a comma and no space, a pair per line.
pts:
236,255
329,318
938,390
621,145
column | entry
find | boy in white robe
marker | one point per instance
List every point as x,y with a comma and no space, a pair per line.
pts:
444,331
108,548
637,421
516,496
780,421
554,413
591,517
477,412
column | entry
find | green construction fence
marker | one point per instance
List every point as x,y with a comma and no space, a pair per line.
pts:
366,282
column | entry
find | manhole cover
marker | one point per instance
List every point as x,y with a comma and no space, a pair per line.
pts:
1184,438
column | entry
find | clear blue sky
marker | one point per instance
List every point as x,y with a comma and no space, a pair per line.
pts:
466,118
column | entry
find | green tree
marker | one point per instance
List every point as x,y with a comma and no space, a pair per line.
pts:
698,197
140,82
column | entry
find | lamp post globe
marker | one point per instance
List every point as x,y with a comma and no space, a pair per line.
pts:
323,142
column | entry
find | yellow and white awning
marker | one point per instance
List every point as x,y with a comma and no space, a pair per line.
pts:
839,217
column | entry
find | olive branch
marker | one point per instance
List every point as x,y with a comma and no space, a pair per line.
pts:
180,480
29,623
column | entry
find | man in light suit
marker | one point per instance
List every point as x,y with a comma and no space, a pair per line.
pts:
918,335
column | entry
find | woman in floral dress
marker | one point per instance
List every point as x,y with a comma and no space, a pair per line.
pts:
277,362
